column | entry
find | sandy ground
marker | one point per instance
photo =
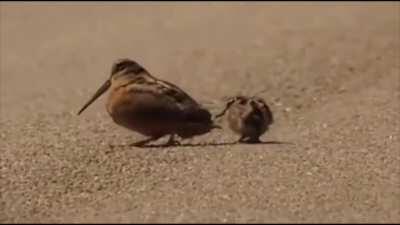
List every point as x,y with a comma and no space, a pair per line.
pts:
332,79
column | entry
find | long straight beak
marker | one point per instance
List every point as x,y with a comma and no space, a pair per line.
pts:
98,93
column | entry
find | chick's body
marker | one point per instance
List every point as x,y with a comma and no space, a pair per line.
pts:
249,117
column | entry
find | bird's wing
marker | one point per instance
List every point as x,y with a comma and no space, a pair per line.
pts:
164,100
192,111
175,91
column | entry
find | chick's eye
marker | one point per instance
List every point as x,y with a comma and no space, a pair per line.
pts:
253,104
242,101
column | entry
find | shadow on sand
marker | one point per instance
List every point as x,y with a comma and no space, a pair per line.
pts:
207,144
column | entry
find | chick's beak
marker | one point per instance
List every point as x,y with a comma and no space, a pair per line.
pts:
98,93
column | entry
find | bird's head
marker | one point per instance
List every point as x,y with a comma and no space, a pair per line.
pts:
126,66
119,68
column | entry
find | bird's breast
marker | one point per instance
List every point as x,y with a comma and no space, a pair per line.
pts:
121,107
135,113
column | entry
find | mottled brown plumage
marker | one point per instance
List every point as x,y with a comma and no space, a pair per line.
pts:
150,106
249,117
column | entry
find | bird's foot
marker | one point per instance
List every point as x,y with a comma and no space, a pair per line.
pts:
143,142
249,140
172,142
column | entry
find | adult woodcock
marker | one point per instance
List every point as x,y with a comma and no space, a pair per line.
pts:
151,106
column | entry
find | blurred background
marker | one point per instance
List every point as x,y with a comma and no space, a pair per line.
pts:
331,71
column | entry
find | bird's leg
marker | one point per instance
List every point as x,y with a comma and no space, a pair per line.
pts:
254,140
143,142
172,141
241,139
246,139
227,106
